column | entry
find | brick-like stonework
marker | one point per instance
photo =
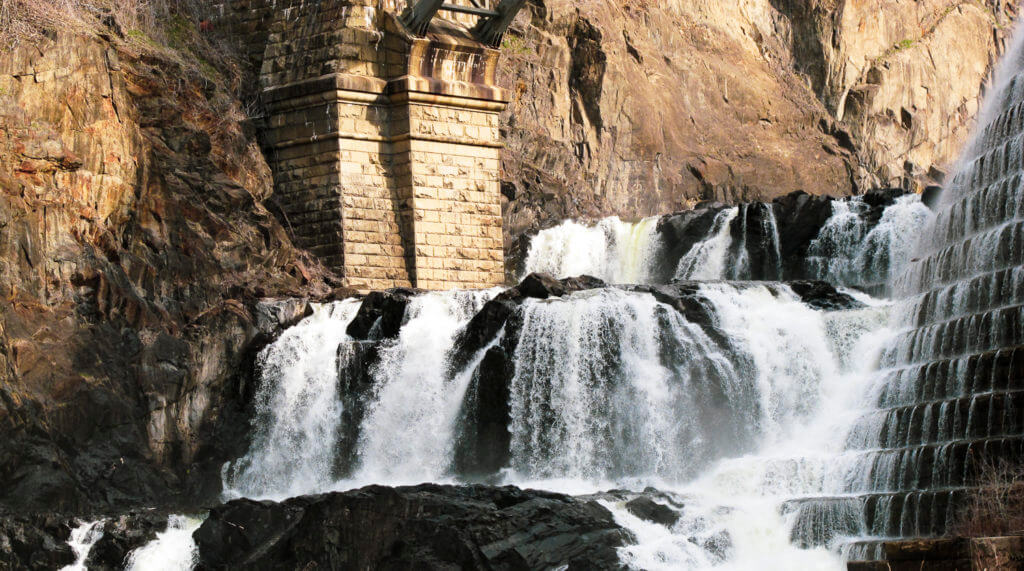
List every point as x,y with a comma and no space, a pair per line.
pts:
384,146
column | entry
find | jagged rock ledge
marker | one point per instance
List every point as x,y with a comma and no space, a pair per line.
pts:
423,527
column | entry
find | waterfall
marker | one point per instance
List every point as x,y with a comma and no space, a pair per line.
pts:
298,409
734,414
172,550
408,433
613,250
851,252
82,539
709,259
947,396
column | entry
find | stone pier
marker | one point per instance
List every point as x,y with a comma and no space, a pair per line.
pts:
384,145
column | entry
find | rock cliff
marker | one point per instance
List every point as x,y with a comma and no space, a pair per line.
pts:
638,107
134,245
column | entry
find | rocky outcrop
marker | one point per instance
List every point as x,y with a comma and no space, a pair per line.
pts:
422,527
34,542
637,108
798,219
134,249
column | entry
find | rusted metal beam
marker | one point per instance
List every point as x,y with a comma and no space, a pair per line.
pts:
491,30
476,11
417,17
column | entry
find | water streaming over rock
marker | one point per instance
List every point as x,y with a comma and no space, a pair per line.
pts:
950,391
863,245
778,434
82,540
298,408
612,250
613,388
172,550
709,259
850,251
408,432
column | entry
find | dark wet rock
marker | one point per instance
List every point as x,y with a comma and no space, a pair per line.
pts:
823,295
381,315
799,218
679,232
34,542
423,527
931,196
647,509
879,198
485,444
718,545
685,298
543,286
121,536
752,230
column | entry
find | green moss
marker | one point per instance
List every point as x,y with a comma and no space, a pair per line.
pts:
141,37
515,44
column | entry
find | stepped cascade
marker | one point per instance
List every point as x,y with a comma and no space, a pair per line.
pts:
948,397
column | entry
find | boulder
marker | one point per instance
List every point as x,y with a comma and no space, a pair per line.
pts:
647,509
382,314
822,295
422,527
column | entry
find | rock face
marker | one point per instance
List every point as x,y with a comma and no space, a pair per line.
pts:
636,108
798,220
134,246
422,527
34,542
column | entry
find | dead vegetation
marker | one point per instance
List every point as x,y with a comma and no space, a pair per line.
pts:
996,507
175,30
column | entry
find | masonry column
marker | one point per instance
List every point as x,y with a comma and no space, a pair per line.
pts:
452,140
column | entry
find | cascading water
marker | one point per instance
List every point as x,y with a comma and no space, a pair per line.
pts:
779,435
613,388
82,539
613,250
298,408
407,435
851,252
172,550
709,259
948,396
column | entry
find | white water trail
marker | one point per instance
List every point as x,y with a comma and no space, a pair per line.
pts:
298,409
709,259
581,423
848,252
81,541
612,250
407,435
172,550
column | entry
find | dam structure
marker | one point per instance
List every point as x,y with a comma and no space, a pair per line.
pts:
382,131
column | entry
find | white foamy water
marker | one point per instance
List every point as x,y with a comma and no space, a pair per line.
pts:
709,259
849,252
408,434
172,550
613,250
81,541
613,389
298,409
799,380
